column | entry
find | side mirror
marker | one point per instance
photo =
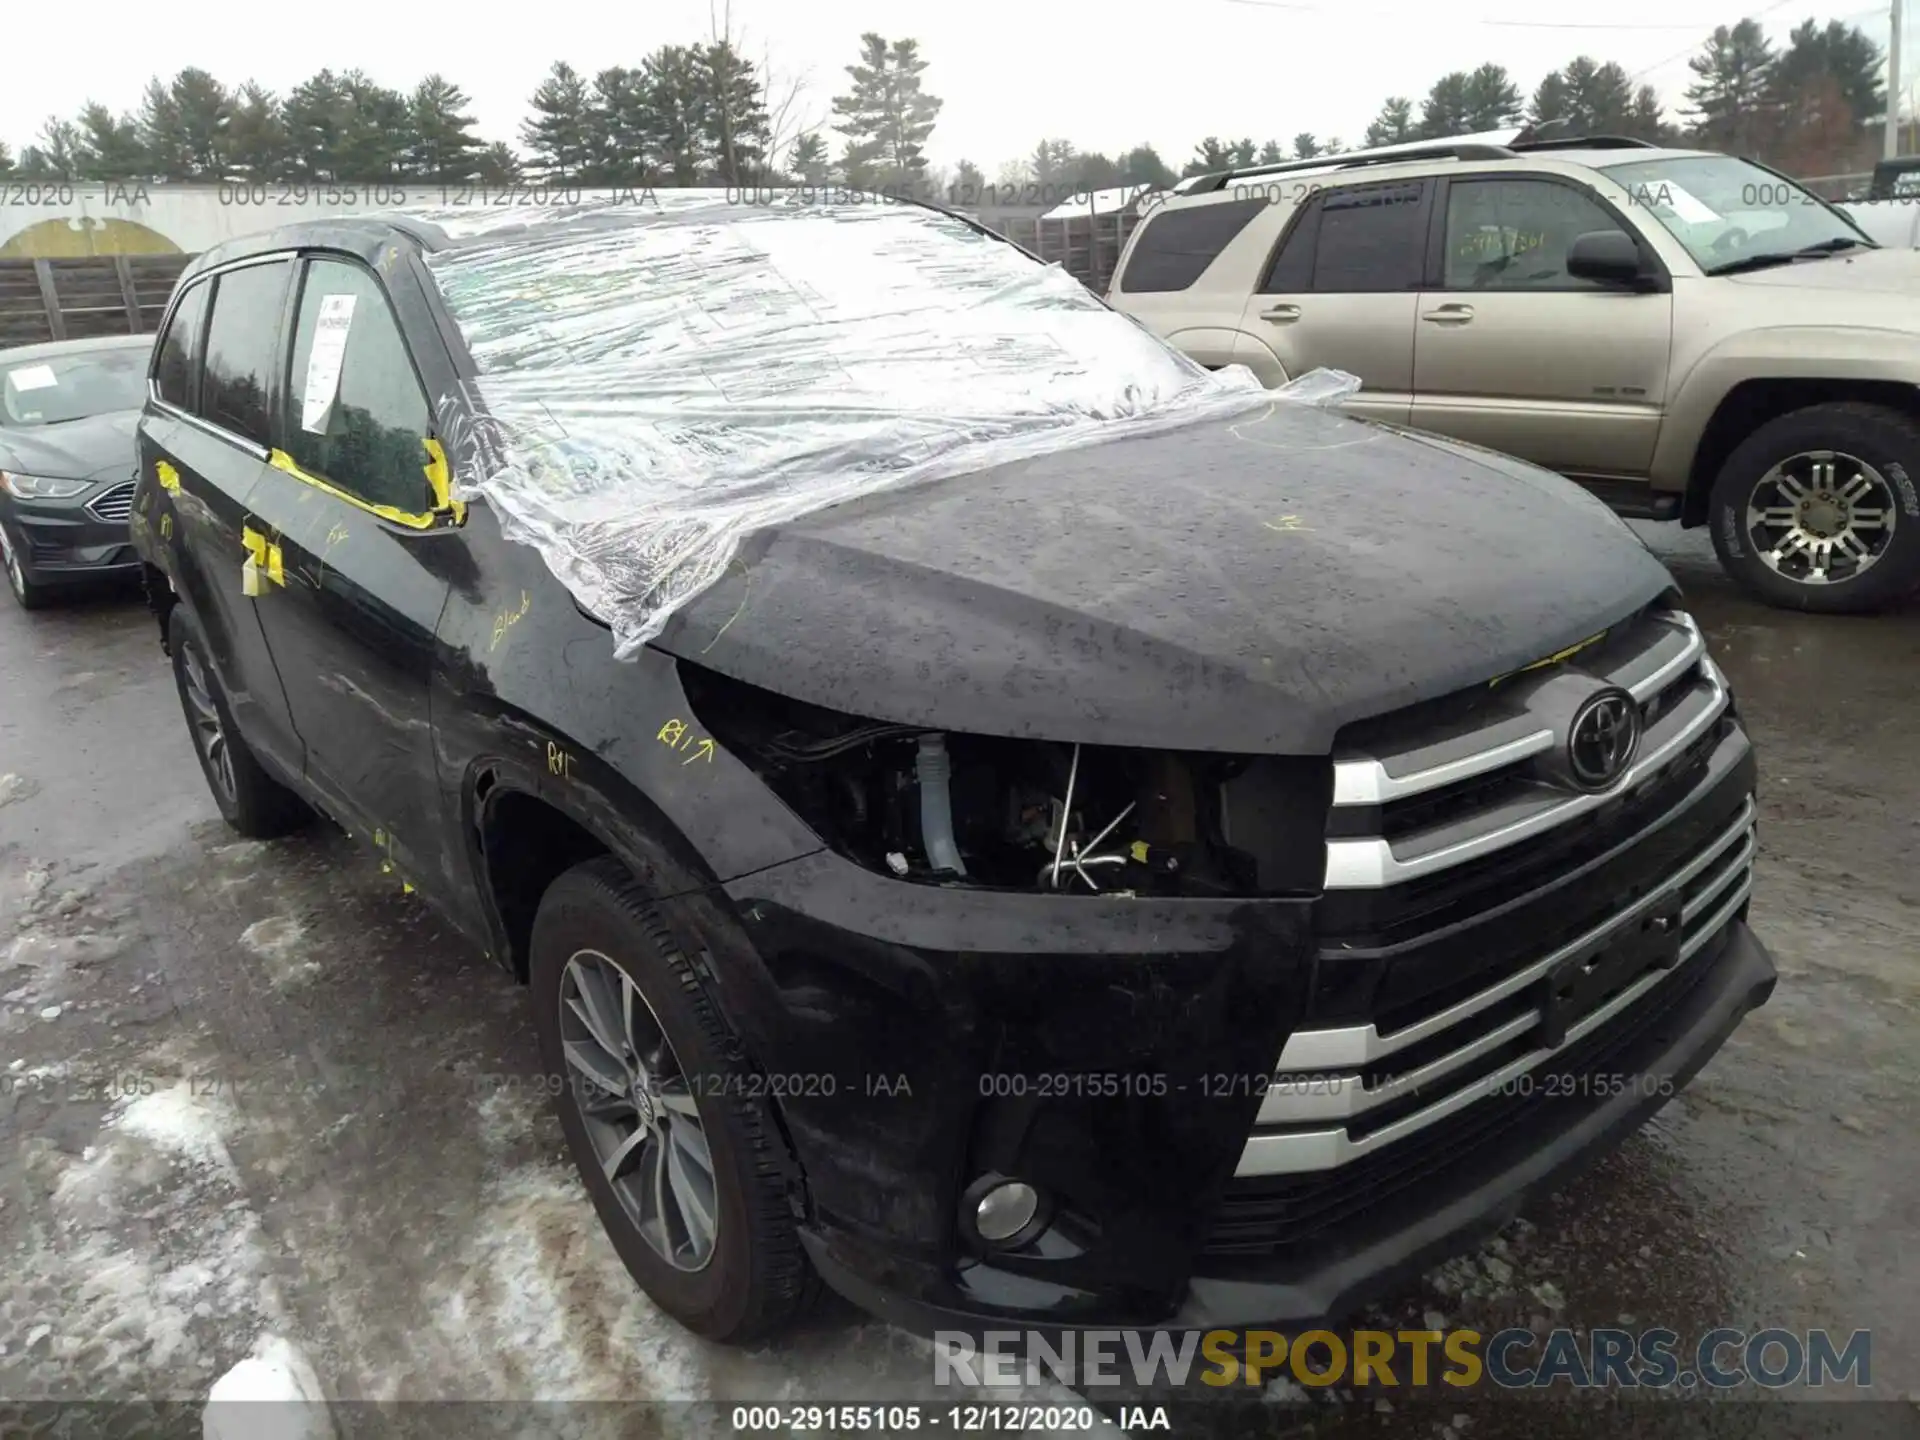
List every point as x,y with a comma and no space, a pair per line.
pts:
1608,256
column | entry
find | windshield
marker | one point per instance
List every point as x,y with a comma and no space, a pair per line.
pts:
73,386
1730,212
655,380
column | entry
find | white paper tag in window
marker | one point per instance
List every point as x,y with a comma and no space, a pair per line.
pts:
323,365
1684,203
32,377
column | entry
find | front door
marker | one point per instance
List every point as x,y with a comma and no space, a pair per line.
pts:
362,554
1341,290
1515,354
203,448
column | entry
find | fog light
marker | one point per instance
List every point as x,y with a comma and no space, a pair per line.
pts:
1005,1210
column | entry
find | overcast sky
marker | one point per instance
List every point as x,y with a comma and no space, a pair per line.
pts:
1106,77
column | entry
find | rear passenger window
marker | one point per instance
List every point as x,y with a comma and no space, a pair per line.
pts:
1292,269
241,340
356,415
1371,240
1176,246
177,357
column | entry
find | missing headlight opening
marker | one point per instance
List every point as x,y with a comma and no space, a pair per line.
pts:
921,804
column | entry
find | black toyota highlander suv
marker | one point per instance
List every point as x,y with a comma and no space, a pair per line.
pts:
989,815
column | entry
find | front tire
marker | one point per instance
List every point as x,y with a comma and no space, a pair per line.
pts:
1819,509
677,1147
250,800
26,594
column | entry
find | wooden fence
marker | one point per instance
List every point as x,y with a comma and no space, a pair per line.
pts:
74,299
1087,247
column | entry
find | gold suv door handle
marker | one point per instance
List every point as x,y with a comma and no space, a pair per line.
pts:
1281,314
1449,315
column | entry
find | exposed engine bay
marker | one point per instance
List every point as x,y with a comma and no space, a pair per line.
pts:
1002,813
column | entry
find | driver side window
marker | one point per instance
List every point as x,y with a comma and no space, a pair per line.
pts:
356,415
1515,234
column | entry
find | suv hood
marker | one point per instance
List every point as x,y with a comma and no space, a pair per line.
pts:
1871,272
1248,587
100,447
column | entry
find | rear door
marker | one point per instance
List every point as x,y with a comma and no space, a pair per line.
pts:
1341,289
1515,354
203,442
1175,281
363,546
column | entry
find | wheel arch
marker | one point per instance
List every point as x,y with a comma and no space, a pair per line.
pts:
1752,403
523,831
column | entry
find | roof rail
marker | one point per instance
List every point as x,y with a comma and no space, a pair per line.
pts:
1220,179
1584,142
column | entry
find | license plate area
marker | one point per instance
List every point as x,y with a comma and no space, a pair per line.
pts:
1581,983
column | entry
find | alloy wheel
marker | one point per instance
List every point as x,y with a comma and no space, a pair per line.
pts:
209,734
638,1106
1821,517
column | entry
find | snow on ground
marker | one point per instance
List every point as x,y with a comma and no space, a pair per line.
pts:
154,1255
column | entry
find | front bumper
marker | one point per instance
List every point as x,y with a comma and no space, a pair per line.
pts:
890,1019
1546,1141
61,542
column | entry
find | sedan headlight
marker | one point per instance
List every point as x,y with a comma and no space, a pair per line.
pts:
40,487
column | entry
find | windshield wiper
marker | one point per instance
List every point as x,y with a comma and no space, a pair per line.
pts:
1787,257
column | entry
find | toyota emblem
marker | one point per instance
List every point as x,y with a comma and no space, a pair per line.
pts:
1603,739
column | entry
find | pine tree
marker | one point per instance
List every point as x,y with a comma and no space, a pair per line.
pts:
1840,51
677,110
6,159
55,155
183,125
376,134
1209,156
619,138
1142,165
440,140
1271,153
808,162
497,165
558,136
968,187
313,118
1393,125
1492,100
734,123
886,114
1305,146
1445,112
108,148
1732,95
1050,162
257,143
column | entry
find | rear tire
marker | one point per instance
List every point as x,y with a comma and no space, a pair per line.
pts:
1819,509
597,924
250,800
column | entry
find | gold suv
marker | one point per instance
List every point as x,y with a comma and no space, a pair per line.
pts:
1690,335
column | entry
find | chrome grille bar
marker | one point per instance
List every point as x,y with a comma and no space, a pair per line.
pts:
1372,863
1296,1152
1352,1046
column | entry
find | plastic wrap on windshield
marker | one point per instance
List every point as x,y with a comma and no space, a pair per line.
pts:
658,379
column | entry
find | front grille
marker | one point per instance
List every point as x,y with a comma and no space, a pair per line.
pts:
115,504
1483,918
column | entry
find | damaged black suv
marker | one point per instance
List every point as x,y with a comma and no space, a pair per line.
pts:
992,816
